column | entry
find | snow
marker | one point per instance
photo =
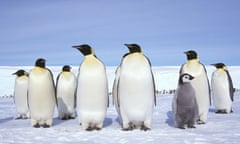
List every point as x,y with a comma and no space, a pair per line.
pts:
166,77
221,128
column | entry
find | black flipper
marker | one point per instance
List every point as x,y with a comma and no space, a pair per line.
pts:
231,89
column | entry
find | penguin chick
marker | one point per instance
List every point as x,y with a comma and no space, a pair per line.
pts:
185,108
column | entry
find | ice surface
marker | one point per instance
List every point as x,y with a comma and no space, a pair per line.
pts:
220,129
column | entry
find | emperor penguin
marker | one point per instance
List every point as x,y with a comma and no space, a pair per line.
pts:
92,90
66,93
200,84
222,89
41,95
135,90
185,108
21,94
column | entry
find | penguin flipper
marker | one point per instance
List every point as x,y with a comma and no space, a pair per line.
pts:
209,89
231,89
55,95
181,69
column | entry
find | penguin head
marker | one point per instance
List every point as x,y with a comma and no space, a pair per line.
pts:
134,48
185,78
191,54
40,62
66,68
20,73
219,65
85,49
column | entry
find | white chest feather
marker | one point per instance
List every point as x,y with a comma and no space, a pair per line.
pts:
20,94
66,87
41,93
136,87
220,86
92,89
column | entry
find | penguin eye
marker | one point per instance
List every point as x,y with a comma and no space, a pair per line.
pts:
186,77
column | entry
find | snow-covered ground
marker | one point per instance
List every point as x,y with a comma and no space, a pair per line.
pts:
166,77
220,129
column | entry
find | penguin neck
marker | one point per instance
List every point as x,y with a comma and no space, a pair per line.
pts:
40,68
90,60
22,77
193,62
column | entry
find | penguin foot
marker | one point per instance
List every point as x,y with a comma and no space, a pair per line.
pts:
191,126
131,126
89,129
181,127
200,122
63,118
24,117
18,118
71,117
127,129
98,129
144,128
221,112
36,125
46,126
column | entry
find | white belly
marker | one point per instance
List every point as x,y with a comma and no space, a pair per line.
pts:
66,93
20,95
221,94
41,95
136,90
92,94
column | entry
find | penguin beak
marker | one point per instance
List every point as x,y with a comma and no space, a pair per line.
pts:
126,45
14,73
77,47
215,65
191,78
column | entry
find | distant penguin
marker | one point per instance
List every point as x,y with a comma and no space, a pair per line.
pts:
185,108
200,84
41,95
66,93
92,90
115,93
21,94
222,88
134,92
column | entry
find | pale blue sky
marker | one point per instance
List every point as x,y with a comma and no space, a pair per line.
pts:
30,29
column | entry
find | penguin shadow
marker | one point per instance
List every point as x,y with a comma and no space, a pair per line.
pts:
107,122
212,110
118,120
4,120
57,121
169,119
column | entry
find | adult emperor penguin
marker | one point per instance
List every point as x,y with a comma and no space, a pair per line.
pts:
200,84
92,90
41,94
222,88
185,108
135,90
66,93
21,94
